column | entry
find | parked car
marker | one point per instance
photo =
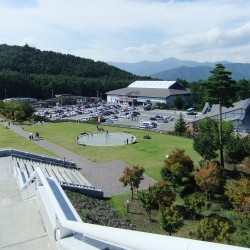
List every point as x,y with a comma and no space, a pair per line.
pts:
153,119
83,119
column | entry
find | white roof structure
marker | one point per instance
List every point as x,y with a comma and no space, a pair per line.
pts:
151,84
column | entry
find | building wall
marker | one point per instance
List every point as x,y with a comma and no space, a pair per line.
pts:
170,101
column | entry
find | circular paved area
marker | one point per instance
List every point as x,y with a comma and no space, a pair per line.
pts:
106,139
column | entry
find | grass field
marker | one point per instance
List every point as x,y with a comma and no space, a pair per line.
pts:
147,153
9,139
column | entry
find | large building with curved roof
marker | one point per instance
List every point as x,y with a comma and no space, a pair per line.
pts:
141,92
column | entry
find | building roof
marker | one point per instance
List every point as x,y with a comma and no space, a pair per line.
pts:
160,89
243,104
151,84
146,92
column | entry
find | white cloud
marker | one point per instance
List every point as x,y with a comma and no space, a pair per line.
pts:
145,48
130,30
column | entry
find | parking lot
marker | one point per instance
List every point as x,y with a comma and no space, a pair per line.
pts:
162,120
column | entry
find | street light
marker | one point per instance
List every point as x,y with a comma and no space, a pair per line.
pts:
127,205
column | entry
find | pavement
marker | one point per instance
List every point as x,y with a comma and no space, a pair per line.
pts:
101,175
21,225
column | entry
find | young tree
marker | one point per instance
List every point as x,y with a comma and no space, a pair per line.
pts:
206,142
132,177
215,229
210,178
148,201
180,125
178,156
175,173
170,220
238,192
236,149
221,89
163,194
195,203
157,197
177,166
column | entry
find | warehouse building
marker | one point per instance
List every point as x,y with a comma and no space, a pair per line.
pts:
142,92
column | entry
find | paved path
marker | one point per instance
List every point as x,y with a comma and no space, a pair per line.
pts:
102,175
21,225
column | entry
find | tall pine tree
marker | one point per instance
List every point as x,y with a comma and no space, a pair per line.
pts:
220,89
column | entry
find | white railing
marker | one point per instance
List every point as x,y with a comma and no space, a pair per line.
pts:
55,207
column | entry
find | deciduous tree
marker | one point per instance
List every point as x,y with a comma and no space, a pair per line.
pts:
148,201
238,192
156,197
163,194
177,166
132,176
196,203
236,149
170,220
215,229
210,178
178,156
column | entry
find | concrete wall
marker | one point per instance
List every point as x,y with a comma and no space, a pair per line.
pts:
36,157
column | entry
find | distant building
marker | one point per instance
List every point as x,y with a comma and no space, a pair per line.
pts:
20,99
142,92
239,114
69,99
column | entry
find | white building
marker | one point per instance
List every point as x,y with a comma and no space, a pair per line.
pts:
140,92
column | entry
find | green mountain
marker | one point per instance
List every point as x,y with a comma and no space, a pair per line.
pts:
239,71
30,72
172,69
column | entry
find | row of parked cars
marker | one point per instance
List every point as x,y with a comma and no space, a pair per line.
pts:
87,112
159,118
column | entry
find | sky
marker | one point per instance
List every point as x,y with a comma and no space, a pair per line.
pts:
131,30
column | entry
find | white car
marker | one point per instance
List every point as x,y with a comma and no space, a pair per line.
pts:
84,119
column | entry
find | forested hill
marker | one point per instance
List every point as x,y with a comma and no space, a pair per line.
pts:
30,72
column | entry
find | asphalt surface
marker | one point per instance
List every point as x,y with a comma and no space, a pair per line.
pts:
101,175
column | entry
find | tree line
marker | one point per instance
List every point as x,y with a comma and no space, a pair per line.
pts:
29,72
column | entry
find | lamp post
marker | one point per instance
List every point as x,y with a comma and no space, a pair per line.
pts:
127,205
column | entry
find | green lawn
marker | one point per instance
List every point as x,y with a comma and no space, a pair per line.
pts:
147,153
10,139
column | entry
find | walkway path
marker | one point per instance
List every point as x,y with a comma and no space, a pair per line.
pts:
21,225
102,175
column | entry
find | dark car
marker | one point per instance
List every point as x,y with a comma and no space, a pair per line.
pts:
136,113
153,119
